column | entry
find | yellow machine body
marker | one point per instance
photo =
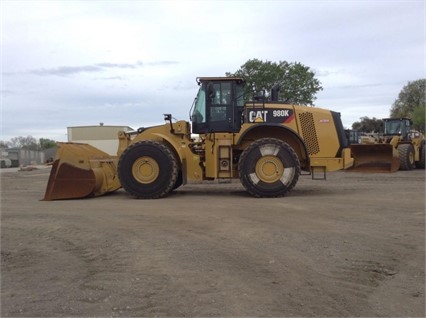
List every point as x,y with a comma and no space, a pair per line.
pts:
266,145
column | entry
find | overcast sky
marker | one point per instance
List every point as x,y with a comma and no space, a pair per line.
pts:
78,63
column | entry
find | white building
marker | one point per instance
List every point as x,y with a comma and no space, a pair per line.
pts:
102,137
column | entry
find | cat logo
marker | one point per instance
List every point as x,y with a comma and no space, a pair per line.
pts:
258,116
271,115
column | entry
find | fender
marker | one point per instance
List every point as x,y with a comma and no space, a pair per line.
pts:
284,133
162,133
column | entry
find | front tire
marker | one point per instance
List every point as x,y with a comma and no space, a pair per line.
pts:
406,156
148,169
269,167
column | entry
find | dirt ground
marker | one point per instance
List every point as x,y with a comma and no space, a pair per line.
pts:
353,245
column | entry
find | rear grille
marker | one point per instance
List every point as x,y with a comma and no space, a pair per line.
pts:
309,132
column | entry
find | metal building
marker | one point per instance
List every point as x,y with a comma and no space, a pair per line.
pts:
15,157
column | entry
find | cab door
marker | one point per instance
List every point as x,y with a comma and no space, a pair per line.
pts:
219,106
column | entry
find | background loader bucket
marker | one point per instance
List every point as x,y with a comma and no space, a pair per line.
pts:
80,171
374,158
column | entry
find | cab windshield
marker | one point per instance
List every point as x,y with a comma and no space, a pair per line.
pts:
393,128
396,127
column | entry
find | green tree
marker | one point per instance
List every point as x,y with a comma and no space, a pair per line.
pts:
411,103
368,125
46,143
297,82
28,142
418,117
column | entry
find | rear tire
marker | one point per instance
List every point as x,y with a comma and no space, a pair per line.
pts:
421,164
269,167
406,156
148,170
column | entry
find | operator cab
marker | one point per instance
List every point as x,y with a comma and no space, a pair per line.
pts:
397,126
219,105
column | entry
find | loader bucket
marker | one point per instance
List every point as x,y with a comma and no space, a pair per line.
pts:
80,171
374,158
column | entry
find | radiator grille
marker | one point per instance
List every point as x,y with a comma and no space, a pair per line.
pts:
309,132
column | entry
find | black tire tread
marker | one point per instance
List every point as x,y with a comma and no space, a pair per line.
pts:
171,180
404,151
252,189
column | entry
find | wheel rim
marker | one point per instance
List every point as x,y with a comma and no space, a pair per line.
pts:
145,170
269,169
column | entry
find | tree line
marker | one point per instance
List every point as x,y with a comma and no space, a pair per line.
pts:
410,103
28,143
298,85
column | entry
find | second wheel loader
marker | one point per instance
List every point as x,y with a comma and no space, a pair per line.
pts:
263,143
399,148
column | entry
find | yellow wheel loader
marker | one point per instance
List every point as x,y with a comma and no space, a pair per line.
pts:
399,148
263,143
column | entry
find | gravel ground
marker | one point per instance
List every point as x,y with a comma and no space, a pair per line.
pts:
353,245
